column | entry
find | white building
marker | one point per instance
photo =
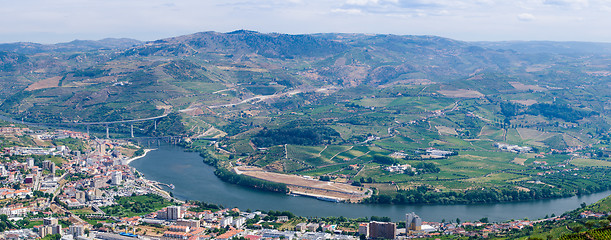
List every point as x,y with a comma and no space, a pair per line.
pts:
30,162
116,178
239,222
226,221
174,213
77,230
413,222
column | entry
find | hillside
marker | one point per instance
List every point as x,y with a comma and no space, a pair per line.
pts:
191,66
344,107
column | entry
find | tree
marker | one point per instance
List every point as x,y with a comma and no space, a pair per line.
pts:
577,228
458,220
381,159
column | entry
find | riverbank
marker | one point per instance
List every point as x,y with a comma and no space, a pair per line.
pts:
151,184
128,161
194,180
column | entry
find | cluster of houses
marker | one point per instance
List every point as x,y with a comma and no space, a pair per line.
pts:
590,214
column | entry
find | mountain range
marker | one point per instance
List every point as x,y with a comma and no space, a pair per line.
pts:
115,79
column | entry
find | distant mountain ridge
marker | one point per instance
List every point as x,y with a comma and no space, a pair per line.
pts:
73,46
242,41
128,78
550,47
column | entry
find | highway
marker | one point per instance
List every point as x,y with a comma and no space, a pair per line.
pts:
122,121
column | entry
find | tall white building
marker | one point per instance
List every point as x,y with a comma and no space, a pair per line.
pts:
3,171
77,230
226,221
116,178
48,165
413,222
174,213
30,162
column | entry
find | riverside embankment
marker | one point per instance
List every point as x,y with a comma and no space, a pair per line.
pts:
194,180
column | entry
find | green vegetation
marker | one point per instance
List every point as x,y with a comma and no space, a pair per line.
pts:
202,206
345,107
5,224
231,177
71,143
136,205
298,136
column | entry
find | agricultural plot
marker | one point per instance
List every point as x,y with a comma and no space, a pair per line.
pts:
422,103
513,137
301,153
529,134
495,179
348,131
406,123
586,162
243,146
443,130
354,152
331,152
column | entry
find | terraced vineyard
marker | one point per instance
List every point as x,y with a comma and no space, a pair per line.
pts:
419,118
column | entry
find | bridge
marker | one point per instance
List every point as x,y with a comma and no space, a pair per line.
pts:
106,124
165,114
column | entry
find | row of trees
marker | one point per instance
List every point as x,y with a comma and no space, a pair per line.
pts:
295,135
238,179
560,111
466,197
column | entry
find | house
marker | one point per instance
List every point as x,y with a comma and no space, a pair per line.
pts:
301,227
230,234
312,227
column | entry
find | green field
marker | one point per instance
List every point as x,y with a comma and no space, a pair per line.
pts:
136,205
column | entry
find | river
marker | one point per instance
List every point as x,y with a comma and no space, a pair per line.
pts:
194,180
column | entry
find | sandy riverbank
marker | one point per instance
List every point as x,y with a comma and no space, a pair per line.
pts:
307,186
128,161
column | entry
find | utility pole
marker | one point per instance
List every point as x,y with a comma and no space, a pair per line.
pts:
107,135
132,130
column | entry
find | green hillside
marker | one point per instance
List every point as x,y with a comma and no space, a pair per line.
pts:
342,106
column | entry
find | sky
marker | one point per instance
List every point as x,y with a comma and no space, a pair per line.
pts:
53,21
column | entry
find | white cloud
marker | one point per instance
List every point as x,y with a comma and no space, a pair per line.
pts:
575,4
348,11
527,17
361,2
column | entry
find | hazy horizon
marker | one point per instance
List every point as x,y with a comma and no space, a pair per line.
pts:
466,20
150,40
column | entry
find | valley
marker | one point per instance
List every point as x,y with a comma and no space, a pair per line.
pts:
415,119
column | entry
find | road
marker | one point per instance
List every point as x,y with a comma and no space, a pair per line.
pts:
257,99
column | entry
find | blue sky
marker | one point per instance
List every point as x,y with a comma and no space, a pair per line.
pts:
51,21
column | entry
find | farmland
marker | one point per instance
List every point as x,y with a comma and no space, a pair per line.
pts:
414,118
391,125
